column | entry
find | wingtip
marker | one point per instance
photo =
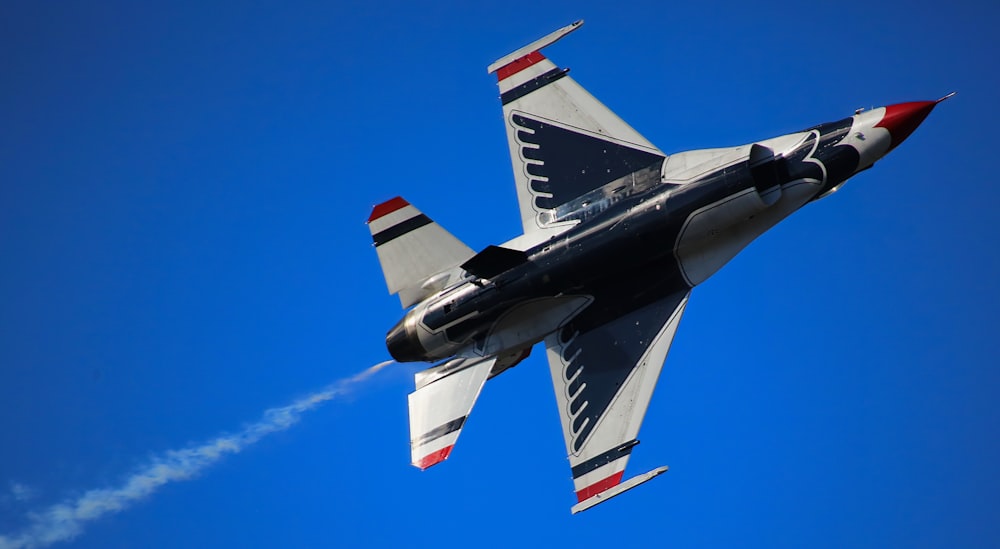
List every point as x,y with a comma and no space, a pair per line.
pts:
533,47
617,489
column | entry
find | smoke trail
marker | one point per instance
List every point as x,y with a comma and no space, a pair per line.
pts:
66,520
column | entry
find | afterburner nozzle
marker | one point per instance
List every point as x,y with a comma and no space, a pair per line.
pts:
403,343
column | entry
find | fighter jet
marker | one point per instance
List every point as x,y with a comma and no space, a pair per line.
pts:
616,235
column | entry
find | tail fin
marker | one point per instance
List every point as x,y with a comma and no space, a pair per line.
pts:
418,256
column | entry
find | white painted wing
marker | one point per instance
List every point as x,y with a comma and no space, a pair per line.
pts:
439,407
563,142
604,378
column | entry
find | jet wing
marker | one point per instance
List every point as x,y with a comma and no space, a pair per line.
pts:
604,375
563,142
439,407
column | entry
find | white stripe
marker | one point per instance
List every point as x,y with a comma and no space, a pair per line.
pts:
392,219
599,474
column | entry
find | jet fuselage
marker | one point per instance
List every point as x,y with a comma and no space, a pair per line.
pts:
652,233
615,234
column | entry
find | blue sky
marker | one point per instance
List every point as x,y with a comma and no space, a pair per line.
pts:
183,190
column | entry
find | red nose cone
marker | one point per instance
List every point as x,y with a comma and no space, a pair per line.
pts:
901,119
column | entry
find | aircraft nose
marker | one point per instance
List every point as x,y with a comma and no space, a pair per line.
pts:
902,119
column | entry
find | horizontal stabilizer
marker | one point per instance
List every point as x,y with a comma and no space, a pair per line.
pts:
617,489
439,407
494,260
417,255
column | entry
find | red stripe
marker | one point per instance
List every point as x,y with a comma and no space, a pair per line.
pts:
519,65
599,486
437,457
387,208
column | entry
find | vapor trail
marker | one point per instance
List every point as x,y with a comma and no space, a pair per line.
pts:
66,520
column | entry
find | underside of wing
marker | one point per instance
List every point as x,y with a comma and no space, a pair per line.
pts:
604,375
564,143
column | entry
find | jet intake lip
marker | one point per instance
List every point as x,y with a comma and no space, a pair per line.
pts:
403,343
902,119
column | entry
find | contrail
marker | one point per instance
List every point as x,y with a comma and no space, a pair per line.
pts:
66,520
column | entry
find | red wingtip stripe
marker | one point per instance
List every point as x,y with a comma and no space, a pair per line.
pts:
387,208
436,457
599,486
519,65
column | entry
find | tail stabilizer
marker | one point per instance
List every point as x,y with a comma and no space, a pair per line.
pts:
439,407
417,255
